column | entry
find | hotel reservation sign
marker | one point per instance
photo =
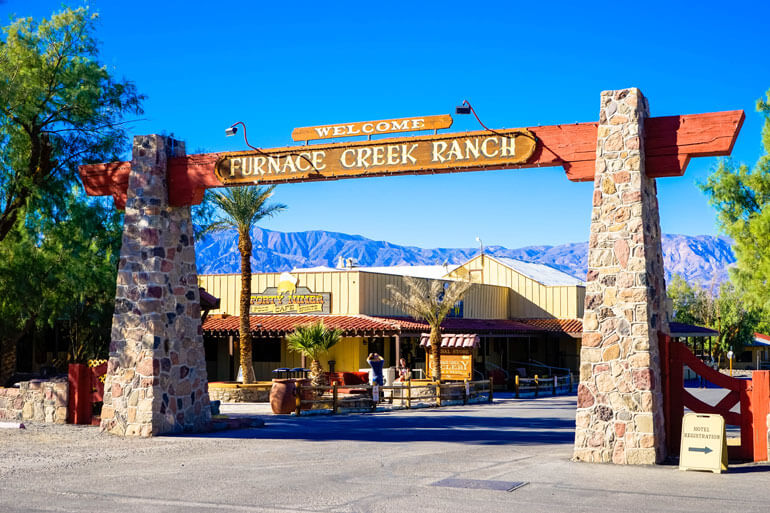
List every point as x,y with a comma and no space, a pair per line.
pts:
405,155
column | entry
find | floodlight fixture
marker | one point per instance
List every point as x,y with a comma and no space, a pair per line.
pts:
230,131
463,108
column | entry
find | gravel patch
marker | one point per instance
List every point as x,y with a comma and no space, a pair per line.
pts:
57,447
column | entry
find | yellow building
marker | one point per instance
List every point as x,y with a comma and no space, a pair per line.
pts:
528,317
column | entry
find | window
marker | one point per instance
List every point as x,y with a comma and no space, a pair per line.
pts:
266,350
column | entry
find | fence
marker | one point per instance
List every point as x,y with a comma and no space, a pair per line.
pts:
537,386
752,395
334,399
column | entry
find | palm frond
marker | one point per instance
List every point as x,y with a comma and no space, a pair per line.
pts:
242,207
427,300
312,339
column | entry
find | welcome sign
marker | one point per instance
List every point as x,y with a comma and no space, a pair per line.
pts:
368,128
407,155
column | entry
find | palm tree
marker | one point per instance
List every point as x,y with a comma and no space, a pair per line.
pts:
312,340
429,301
240,208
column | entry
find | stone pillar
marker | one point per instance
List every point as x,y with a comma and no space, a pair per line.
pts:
156,375
620,404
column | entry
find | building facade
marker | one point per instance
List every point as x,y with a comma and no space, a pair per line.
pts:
528,317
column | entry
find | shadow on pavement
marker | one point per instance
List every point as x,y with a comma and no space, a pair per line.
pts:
459,428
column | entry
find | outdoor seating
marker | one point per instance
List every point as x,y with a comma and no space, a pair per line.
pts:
281,373
298,372
349,379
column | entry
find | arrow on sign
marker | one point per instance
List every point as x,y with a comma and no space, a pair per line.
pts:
704,450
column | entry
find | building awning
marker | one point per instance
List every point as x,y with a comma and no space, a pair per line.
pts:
280,325
409,326
460,340
761,339
679,329
208,301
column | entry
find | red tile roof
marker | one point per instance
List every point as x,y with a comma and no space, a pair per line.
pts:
278,325
571,326
364,325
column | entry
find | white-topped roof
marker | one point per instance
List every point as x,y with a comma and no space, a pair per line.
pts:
416,271
541,273
316,269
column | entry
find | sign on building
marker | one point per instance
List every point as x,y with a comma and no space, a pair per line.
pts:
288,298
456,366
704,446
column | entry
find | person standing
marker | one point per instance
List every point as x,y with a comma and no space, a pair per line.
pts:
376,363
403,370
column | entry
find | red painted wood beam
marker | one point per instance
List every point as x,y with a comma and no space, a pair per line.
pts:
670,143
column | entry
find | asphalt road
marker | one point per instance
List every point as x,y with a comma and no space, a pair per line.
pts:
358,463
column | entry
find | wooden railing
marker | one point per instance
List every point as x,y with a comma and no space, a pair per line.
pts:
551,385
753,396
409,394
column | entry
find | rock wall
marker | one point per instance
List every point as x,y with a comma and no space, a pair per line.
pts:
37,401
240,393
620,406
156,375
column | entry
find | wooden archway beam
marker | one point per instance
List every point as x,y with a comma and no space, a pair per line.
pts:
670,143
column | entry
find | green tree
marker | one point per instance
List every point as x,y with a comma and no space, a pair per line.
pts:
693,304
59,107
741,197
60,270
725,312
240,208
429,301
311,341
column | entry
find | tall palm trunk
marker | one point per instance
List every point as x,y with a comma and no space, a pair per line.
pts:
8,346
7,360
316,374
245,247
435,353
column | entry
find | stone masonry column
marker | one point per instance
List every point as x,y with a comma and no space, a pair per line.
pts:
156,375
620,404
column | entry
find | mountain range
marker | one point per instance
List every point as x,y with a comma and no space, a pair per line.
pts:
701,259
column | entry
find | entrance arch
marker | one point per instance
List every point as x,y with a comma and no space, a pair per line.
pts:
156,379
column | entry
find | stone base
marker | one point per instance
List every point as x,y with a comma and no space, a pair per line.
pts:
36,401
239,393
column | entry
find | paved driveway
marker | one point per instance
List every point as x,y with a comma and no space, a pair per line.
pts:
357,463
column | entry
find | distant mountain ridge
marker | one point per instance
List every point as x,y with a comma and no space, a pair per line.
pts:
699,259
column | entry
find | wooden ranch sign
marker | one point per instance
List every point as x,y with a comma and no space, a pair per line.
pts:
670,142
383,126
472,150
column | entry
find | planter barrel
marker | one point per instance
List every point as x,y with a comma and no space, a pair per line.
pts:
282,400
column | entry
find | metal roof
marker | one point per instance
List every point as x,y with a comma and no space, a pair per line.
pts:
680,329
541,273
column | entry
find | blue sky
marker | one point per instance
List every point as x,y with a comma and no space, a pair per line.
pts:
281,65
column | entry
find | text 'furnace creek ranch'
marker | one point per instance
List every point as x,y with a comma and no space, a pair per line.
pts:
507,147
